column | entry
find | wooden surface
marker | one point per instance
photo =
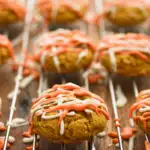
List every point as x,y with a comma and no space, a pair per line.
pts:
24,102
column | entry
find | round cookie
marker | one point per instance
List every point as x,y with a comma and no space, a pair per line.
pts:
125,54
64,51
68,113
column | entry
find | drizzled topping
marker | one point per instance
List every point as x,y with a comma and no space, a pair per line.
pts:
131,44
66,100
49,12
62,41
140,111
14,6
126,134
4,42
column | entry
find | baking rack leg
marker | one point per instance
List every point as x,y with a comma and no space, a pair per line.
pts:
90,144
63,147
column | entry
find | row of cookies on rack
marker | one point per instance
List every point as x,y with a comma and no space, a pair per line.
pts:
64,51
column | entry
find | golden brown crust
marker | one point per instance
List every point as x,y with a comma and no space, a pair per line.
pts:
6,50
77,128
4,55
125,54
126,13
127,16
11,12
68,113
68,62
64,51
127,65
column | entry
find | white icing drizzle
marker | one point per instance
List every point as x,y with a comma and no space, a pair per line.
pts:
11,94
62,124
11,139
121,98
93,146
55,59
145,92
61,36
81,56
18,122
27,140
144,109
88,111
131,122
26,81
50,116
62,127
131,143
118,49
113,59
101,134
117,145
127,45
71,113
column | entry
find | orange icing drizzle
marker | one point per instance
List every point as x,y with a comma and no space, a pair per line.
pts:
125,40
13,5
68,90
147,145
64,41
93,78
142,101
45,7
4,42
126,133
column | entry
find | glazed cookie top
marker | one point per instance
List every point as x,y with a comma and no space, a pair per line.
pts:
62,41
14,6
4,42
67,100
140,111
76,6
131,44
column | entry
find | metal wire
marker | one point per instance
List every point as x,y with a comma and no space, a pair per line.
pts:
99,9
28,19
63,146
112,92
